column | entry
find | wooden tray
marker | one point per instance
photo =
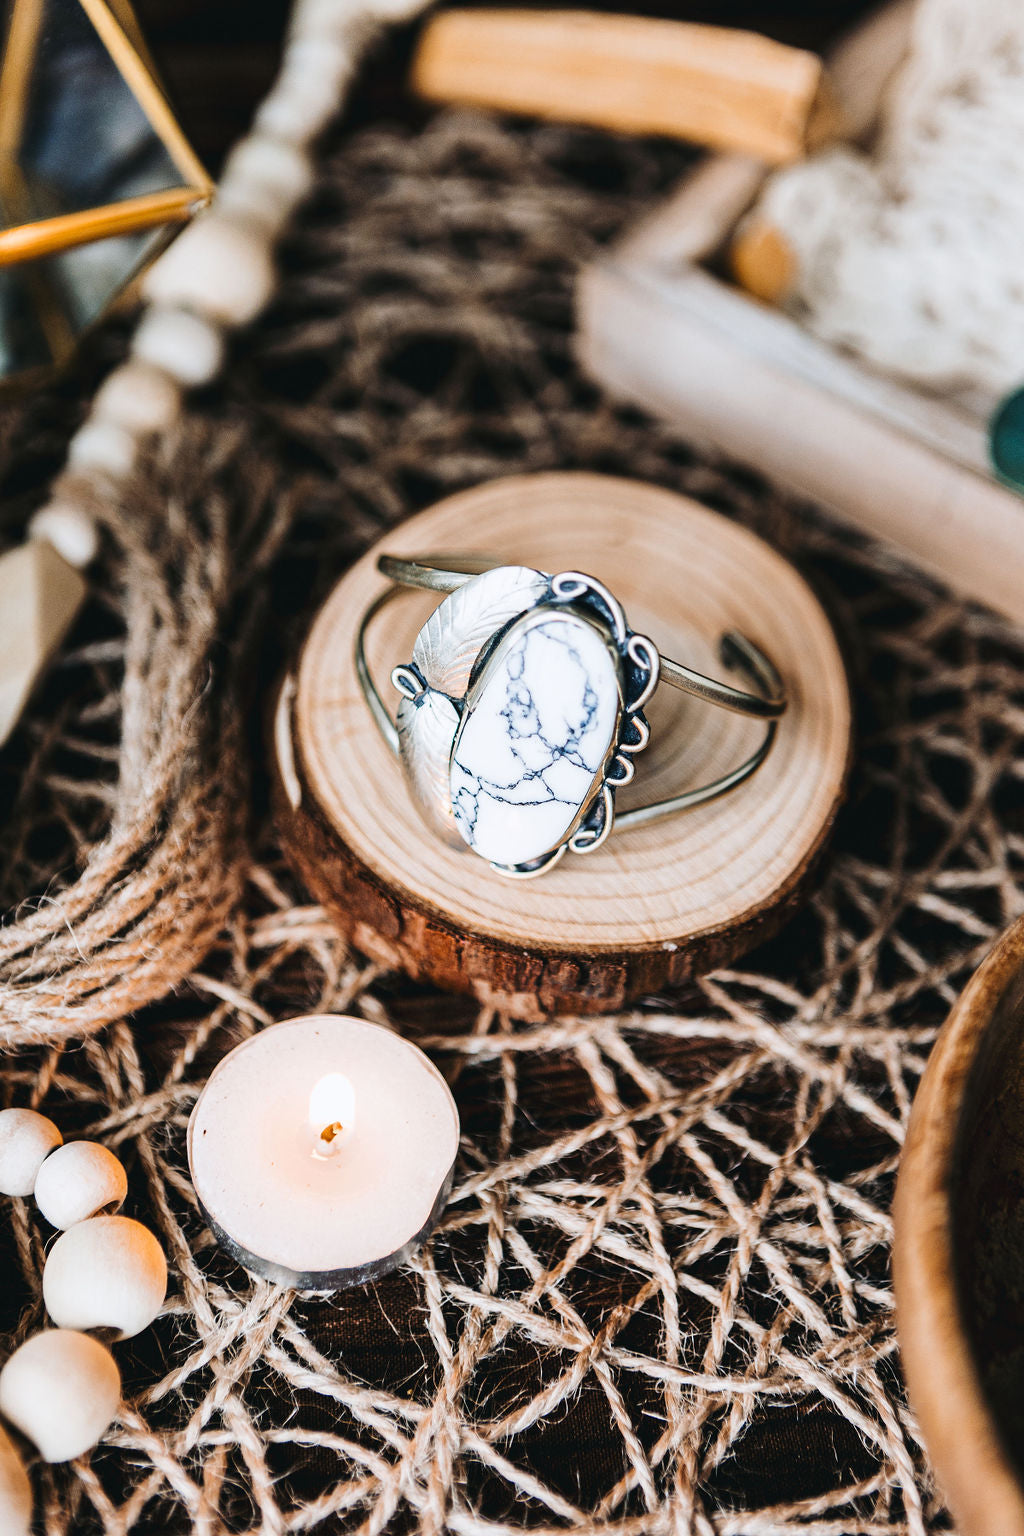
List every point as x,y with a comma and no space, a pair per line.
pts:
661,324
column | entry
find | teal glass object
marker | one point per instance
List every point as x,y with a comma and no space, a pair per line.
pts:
1006,440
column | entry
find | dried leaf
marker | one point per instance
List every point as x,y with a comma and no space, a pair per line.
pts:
426,734
452,638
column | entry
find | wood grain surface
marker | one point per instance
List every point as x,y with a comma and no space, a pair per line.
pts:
654,903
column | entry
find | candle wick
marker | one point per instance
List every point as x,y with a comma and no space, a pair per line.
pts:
329,1132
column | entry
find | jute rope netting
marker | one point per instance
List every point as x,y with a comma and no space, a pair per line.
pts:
660,1297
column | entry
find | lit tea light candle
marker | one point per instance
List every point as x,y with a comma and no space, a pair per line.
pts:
322,1151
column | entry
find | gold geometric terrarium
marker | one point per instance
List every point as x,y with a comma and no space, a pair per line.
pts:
96,176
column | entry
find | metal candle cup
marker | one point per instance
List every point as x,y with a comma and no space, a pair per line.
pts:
322,1151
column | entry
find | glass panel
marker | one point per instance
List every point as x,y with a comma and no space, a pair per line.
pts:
45,305
72,135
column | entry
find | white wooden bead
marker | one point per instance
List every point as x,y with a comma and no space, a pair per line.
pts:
15,1491
104,446
70,530
26,1138
109,1272
219,267
307,93
318,18
264,179
79,1180
288,115
321,61
62,1390
138,398
184,345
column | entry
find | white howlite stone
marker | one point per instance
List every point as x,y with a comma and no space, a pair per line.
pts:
138,398
70,530
62,1390
536,736
80,1180
103,446
26,1138
109,1272
218,267
15,1491
264,179
184,345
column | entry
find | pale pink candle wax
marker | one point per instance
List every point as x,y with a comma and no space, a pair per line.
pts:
322,1151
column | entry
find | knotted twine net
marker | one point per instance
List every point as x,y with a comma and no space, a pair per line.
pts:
659,1300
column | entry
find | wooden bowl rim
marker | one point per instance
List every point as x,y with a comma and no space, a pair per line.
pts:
942,1380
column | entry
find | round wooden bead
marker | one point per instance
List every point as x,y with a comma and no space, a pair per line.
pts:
264,179
69,529
15,1491
80,1180
103,446
109,1272
307,93
184,345
26,1138
139,398
318,19
219,267
62,1390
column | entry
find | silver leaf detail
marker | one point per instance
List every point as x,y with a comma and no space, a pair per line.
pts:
452,638
426,734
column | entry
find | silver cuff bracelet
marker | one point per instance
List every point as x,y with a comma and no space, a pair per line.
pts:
522,709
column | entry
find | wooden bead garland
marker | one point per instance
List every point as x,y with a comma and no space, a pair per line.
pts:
62,1388
26,1139
216,277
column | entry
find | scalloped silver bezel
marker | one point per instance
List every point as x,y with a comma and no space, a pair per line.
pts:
450,661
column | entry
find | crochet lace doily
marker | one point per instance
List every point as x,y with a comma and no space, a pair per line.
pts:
659,1300
910,254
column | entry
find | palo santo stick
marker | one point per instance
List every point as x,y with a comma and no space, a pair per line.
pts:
727,89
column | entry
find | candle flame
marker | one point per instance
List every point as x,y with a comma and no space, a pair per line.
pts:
332,1107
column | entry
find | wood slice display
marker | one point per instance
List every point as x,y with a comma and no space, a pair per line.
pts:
654,905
